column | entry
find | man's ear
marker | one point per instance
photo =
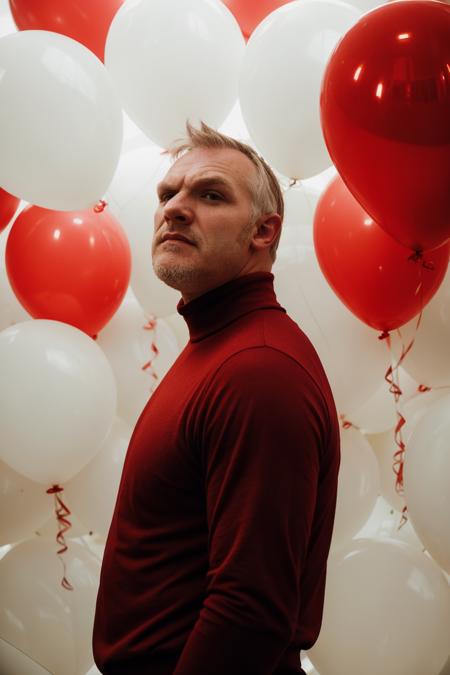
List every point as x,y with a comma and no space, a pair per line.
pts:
266,230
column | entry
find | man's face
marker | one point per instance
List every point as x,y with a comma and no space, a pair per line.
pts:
206,198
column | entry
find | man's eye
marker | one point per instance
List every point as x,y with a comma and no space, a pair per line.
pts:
212,196
165,197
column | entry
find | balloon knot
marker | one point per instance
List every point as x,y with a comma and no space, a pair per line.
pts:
384,335
416,256
151,323
346,424
404,517
54,489
423,388
100,206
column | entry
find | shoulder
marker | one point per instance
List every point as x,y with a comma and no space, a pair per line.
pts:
263,393
266,375
260,361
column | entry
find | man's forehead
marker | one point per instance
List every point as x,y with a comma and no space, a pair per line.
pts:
216,164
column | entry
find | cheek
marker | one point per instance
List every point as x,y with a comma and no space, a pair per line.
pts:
158,218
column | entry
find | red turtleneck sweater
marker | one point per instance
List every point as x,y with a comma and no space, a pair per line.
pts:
216,556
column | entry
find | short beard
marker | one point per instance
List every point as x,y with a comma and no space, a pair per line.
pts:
175,276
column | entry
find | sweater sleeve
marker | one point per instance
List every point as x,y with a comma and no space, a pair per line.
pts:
261,428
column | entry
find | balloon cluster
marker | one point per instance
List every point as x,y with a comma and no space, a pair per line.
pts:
318,82
385,106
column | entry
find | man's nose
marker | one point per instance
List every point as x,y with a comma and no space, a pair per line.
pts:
178,210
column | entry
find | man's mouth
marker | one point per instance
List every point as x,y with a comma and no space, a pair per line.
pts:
177,238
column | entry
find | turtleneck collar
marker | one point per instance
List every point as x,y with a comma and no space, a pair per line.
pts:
220,306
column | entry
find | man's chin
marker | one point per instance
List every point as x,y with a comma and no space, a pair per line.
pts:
175,276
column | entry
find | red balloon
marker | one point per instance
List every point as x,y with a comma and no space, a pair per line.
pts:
8,207
70,266
87,21
385,109
249,13
374,276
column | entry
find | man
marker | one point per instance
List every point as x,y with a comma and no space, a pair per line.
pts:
216,557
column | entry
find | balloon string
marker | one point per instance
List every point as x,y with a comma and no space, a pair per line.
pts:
64,525
151,325
392,378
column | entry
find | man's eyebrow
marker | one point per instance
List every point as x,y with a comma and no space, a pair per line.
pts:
163,186
212,180
197,183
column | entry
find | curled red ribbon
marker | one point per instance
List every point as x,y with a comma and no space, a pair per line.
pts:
394,388
64,525
151,325
391,377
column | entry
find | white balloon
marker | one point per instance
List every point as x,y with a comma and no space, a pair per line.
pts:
379,412
358,486
174,60
93,671
11,311
91,494
307,666
300,202
387,608
7,24
50,624
137,172
179,327
128,347
13,661
355,361
49,528
384,521
24,505
280,82
446,669
234,124
386,444
416,407
295,246
428,361
57,399
367,5
133,200
427,481
385,447
60,121
157,298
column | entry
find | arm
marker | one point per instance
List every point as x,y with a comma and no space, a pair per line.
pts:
260,430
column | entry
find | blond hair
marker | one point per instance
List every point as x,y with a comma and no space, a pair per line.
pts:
266,192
